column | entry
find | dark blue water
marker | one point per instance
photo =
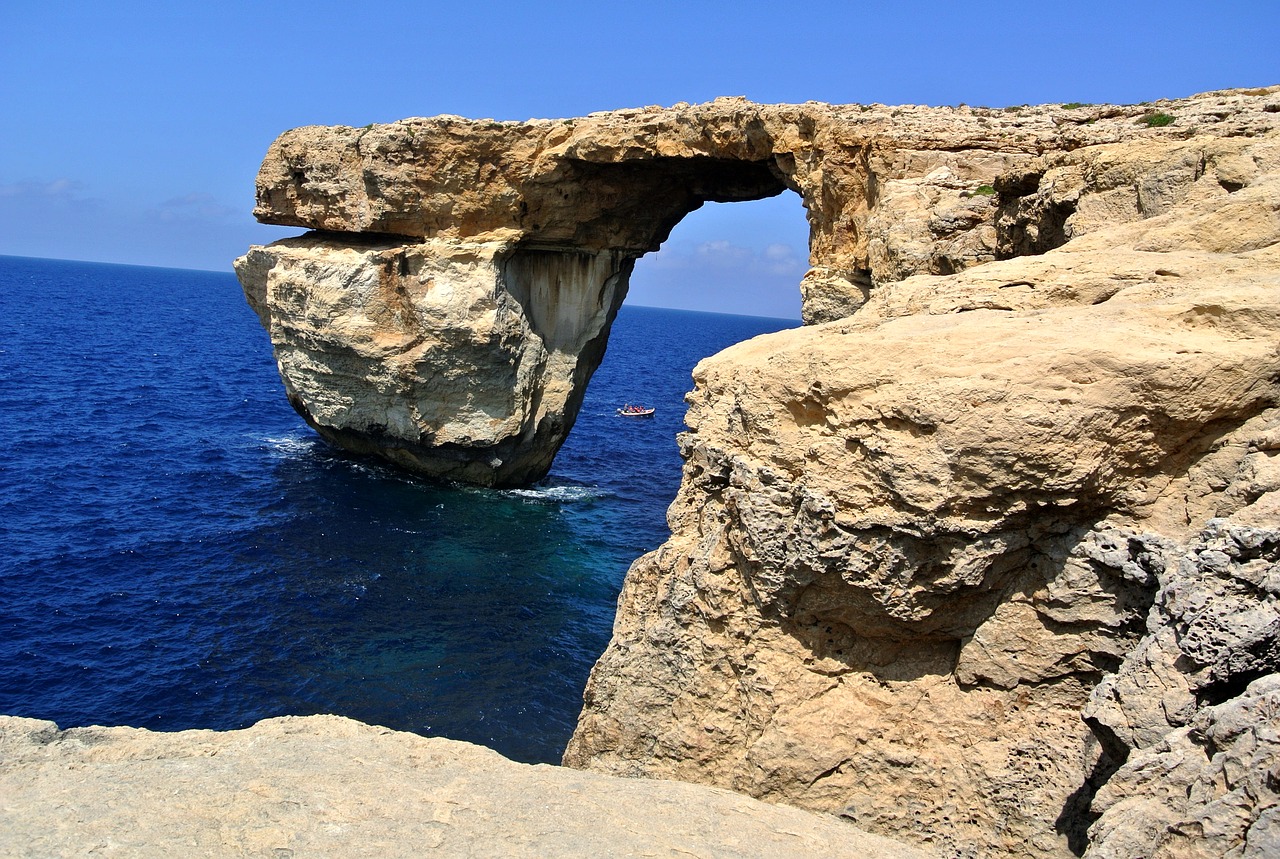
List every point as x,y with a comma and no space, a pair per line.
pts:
178,550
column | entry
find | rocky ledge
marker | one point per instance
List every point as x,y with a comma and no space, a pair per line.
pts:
328,786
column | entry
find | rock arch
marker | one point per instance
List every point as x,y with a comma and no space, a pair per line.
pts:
456,290
935,544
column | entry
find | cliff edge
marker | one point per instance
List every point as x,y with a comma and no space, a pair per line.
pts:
461,277
328,786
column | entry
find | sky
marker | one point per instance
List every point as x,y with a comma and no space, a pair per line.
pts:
132,131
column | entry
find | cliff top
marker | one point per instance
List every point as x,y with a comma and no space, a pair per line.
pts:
329,786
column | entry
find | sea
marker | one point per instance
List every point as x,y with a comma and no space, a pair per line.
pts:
179,550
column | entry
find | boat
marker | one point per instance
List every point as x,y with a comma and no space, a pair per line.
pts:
630,411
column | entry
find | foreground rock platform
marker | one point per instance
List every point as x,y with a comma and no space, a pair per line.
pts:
329,786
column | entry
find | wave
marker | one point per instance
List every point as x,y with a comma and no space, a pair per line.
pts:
287,447
558,494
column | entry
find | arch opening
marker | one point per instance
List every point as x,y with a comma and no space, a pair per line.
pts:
461,346
746,259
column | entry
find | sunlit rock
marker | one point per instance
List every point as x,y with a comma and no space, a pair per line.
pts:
332,787
918,542
916,547
457,360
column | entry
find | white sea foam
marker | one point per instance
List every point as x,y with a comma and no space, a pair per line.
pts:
290,446
563,494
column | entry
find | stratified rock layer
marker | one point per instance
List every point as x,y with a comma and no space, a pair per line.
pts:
328,786
458,291
457,360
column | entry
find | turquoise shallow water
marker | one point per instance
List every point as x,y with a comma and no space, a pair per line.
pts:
180,551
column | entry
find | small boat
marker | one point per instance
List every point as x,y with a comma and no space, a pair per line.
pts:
630,411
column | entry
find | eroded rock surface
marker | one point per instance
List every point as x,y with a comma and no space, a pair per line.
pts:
1194,711
457,360
457,291
328,786
911,543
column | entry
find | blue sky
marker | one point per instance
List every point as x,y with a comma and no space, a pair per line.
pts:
131,132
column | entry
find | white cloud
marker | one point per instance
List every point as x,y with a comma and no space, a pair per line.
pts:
781,259
191,207
724,256
718,274
61,188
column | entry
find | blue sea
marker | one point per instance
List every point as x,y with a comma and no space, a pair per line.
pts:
178,550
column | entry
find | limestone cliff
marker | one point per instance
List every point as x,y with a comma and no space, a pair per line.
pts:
910,544
984,557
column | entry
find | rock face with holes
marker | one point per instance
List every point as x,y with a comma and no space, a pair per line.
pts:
991,561
457,290
1194,710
